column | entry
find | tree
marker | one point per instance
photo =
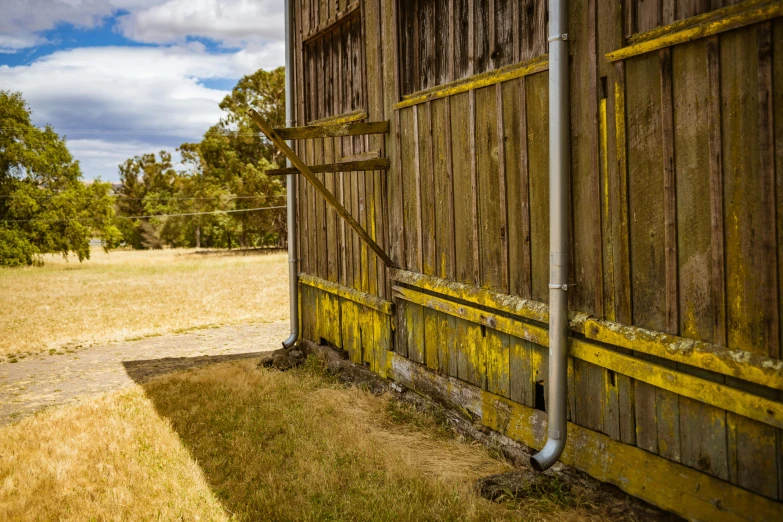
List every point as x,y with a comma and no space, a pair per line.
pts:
45,207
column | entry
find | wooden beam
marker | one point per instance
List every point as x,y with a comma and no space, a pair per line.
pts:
701,26
275,138
477,81
758,369
337,130
666,484
343,166
703,390
362,298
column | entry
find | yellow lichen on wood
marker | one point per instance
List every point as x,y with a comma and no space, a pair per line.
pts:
478,81
741,364
348,117
669,485
719,395
708,24
363,298
709,392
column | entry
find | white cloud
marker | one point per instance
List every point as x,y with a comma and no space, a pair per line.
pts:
22,20
134,99
230,22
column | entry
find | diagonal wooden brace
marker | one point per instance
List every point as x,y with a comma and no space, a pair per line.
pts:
275,138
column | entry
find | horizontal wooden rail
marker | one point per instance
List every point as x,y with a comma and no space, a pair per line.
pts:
336,130
740,364
718,395
700,26
275,138
336,119
344,166
669,485
510,72
362,298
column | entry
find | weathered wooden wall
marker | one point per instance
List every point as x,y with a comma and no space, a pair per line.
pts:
676,203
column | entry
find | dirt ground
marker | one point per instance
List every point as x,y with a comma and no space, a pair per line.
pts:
46,380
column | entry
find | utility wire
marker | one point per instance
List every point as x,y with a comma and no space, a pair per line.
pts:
143,217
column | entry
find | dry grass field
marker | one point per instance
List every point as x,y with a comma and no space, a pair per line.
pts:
128,294
232,442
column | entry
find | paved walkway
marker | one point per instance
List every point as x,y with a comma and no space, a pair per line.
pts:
47,380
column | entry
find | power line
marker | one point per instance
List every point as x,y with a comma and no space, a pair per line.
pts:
177,198
143,217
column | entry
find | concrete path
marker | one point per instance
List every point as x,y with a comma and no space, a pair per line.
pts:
47,380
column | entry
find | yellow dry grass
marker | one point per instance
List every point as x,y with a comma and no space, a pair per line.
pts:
231,442
128,294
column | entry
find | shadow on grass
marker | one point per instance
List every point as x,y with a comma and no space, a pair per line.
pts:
284,446
144,370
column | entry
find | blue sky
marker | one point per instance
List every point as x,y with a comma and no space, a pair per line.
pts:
121,78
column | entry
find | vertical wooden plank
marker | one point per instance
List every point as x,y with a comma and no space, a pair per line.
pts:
521,378
514,139
646,194
427,184
315,252
401,330
431,345
646,198
369,352
331,216
474,187
426,47
502,46
444,190
621,247
750,257
586,195
409,188
670,194
648,15
463,188
502,191
471,353
415,191
538,164
393,182
481,31
443,48
702,427
532,29
498,348
414,318
461,41
491,222
321,217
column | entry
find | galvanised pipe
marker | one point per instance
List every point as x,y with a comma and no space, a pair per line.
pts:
559,163
293,277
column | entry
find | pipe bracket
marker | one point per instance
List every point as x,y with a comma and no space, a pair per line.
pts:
563,37
563,287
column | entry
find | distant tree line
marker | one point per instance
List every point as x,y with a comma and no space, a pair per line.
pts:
46,207
222,172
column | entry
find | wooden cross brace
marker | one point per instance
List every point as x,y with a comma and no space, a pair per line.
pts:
275,138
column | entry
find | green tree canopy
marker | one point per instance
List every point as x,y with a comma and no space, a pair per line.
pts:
224,171
45,207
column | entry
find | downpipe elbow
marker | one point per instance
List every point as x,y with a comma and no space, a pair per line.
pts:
549,454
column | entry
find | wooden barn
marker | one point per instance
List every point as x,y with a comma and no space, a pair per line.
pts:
422,204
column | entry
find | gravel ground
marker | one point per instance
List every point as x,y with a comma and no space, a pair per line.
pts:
43,381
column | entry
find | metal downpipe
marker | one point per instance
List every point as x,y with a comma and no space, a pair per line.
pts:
293,277
559,162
